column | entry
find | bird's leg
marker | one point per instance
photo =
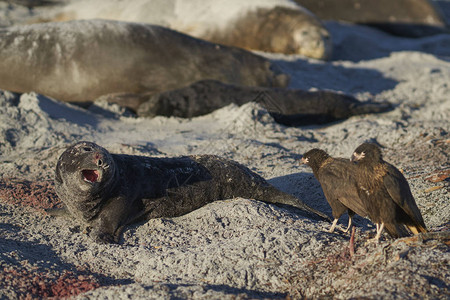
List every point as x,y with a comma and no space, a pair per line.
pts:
379,231
331,230
349,224
378,235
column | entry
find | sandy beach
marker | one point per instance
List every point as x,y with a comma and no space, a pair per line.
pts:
240,248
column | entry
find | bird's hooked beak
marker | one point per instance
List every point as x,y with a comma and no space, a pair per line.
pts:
305,160
356,156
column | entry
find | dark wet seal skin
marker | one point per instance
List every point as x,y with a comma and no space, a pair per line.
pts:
386,194
337,176
108,191
287,106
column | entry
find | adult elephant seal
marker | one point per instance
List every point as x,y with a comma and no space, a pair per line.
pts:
79,61
265,25
409,18
287,106
108,191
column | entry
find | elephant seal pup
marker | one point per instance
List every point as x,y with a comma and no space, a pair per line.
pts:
271,26
287,106
108,191
79,61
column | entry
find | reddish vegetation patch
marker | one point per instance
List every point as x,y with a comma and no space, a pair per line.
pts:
439,175
38,194
70,285
393,263
334,261
31,283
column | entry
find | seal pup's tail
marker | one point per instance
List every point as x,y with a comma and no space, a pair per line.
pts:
272,195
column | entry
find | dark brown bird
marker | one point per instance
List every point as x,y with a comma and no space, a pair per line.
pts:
336,176
386,194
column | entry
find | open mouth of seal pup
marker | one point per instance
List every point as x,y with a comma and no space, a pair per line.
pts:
91,176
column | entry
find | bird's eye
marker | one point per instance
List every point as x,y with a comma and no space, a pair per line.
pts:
87,149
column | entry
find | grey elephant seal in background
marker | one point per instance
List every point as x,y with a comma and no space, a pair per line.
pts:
128,63
287,106
108,191
409,18
79,61
266,25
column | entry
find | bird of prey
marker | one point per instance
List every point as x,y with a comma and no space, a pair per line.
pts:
386,194
337,178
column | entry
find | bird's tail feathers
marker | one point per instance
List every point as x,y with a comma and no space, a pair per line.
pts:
415,229
401,230
396,230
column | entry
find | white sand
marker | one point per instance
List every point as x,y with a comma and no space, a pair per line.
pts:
242,247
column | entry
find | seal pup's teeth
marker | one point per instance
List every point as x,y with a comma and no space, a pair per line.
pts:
90,175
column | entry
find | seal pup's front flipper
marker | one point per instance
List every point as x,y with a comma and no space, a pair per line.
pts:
58,212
